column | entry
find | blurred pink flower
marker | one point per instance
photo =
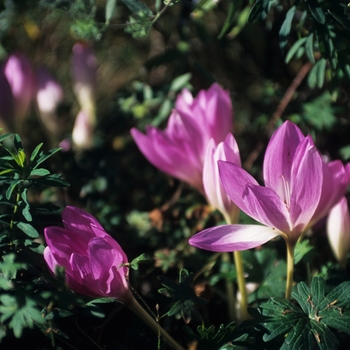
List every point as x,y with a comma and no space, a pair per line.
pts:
18,72
92,259
293,174
83,132
215,193
338,230
49,94
180,149
84,67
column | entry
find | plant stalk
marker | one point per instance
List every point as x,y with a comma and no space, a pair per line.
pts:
237,256
137,309
230,292
290,268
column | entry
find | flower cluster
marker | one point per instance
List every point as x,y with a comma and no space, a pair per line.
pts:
20,84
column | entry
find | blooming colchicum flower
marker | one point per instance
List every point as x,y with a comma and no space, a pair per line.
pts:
338,231
180,149
93,260
295,176
94,263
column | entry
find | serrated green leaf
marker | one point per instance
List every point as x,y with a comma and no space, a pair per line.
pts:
317,290
286,27
28,229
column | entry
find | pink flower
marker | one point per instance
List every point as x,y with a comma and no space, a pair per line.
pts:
180,149
19,75
83,132
49,94
338,230
215,193
294,175
92,259
84,67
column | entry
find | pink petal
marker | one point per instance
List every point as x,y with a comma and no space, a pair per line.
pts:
234,179
335,183
229,238
174,159
338,230
306,184
265,206
279,157
50,260
103,257
63,243
79,222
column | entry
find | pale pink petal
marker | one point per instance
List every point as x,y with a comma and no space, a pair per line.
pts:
279,157
234,179
338,230
50,260
306,184
229,238
266,207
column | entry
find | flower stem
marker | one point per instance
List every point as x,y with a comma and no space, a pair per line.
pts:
229,291
290,269
237,256
138,310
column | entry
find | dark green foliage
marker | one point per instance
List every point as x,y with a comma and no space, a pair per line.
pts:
311,323
183,295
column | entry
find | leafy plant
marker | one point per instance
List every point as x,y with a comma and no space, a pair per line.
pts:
310,322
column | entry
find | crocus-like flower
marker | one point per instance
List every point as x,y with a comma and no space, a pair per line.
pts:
49,94
338,230
180,149
83,132
84,67
293,178
215,193
92,259
19,75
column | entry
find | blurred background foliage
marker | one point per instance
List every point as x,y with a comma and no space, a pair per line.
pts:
279,60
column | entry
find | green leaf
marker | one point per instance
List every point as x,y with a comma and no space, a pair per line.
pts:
43,157
183,295
316,11
35,152
11,188
110,8
180,82
293,50
28,229
344,21
286,27
140,259
259,9
26,210
5,136
39,172
137,7
310,47
51,180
